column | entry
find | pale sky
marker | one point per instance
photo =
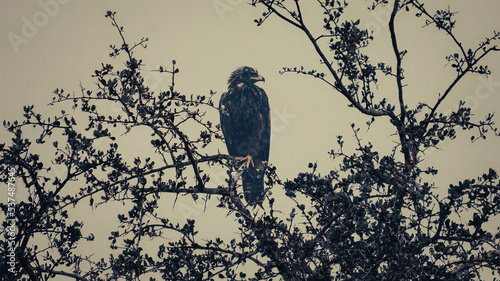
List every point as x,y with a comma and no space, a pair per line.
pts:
60,44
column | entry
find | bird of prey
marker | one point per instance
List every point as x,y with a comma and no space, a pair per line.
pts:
246,124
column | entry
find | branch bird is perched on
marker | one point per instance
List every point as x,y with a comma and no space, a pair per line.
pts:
246,124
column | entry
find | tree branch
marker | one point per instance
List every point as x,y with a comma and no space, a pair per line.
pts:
72,275
455,81
245,255
270,4
152,171
338,82
397,53
189,153
464,264
497,187
421,8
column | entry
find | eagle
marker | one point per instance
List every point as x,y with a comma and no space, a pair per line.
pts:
246,124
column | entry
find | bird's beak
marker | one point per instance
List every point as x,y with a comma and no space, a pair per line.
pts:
259,78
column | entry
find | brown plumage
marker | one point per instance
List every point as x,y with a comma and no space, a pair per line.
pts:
246,125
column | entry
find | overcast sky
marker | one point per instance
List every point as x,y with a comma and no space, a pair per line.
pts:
60,44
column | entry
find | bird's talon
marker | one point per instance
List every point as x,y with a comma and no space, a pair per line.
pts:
248,161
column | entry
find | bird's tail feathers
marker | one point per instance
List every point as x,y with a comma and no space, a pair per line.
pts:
253,186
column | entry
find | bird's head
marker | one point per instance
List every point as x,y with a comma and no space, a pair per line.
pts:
244,75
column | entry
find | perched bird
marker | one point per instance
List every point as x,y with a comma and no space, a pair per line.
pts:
246,124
